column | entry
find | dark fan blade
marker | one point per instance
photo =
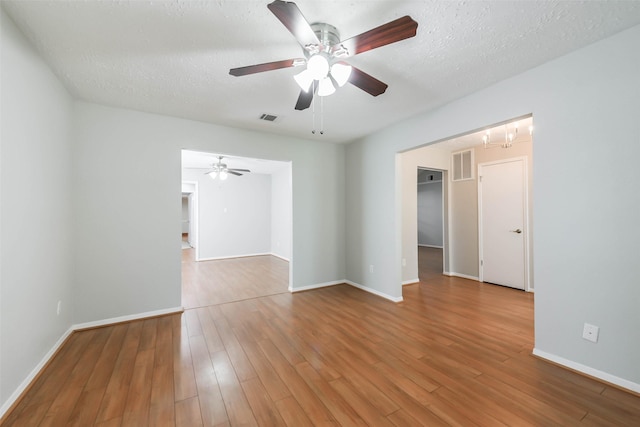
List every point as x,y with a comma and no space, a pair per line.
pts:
267,66
291,17
391,32
238,170
304,100
234,173
367,83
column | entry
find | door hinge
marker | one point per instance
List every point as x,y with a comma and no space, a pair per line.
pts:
481,262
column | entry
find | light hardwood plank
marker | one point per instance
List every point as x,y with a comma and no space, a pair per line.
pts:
188,413
114,400
263,407
235,401
454,352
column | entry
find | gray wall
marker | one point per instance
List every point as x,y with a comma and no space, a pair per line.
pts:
430,213
36,224
585,107
145,149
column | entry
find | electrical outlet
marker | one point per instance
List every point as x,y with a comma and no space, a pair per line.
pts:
59,308
590,332
371,268
404,262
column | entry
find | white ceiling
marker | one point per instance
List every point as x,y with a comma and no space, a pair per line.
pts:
204,161
173,57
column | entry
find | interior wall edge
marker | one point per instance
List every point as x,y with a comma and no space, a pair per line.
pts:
588,371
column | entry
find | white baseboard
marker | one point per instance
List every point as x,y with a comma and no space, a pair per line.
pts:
129,318
604,376
78,327
233,256
34,373
373,291
316,286
410,282
279,256
350,283
463,276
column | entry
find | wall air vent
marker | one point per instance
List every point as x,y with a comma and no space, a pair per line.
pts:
462,165
268,117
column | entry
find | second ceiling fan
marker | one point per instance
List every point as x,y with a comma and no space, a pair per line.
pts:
220,170
324,53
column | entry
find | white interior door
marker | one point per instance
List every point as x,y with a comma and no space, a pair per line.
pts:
503,229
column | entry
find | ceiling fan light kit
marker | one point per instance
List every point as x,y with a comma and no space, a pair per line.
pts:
324,53
221,171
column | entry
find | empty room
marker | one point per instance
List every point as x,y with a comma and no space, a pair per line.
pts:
507,128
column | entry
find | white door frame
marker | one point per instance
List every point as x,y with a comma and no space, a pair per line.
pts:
194,217
525,185
445,219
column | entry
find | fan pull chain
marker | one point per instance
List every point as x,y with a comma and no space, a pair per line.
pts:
322,115
313,108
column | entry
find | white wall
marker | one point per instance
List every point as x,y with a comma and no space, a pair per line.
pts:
128,158
585,107
36,200
281,213
234,215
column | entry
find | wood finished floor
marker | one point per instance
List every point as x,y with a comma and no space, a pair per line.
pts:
220,281
455,352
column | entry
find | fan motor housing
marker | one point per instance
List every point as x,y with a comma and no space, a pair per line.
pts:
328,35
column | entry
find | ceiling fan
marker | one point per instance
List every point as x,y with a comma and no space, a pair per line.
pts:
220,170
324,53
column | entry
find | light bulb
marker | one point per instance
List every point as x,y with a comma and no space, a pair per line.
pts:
340,73
304,80
223,175
326,87
213,174
318,66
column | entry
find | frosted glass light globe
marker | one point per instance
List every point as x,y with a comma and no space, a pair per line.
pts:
318,66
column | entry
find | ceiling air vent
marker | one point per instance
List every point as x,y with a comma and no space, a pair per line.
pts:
268,117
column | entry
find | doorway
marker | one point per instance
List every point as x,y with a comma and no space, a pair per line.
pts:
430,196
241,217
189,217
461,233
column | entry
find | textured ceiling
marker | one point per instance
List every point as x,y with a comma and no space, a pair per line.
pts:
173,57
204,161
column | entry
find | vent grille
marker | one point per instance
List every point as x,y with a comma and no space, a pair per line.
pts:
462,165
268,117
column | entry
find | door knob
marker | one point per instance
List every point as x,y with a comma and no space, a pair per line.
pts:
516,231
